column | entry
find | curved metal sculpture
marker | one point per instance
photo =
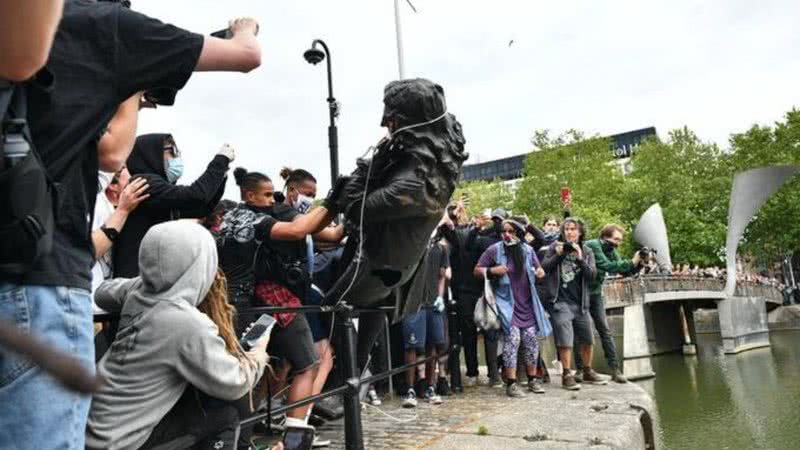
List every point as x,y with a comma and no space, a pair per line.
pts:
652,232
751,189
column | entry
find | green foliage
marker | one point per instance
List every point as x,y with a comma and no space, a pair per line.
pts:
483,195
482,430
776,230
583,164
689,178
691,181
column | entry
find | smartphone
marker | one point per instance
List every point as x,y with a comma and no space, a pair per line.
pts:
261,327
298,438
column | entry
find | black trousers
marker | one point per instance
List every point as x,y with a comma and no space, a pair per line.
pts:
197,421
469,338
597,309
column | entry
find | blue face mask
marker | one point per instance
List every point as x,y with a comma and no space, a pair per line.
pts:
174,170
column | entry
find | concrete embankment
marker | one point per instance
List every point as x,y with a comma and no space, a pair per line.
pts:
614,416
781,318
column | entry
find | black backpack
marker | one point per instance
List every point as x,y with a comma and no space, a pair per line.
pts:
26,192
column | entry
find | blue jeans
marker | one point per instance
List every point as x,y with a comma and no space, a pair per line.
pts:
36,411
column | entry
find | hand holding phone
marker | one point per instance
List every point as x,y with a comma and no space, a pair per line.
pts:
255,332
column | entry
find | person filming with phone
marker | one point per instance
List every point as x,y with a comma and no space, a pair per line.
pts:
175,367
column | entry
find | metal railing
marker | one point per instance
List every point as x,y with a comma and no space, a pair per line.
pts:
347,351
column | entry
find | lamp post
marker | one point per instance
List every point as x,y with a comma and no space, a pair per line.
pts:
314,56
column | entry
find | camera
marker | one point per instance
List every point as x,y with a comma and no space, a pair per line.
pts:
570,247
647,253
294,274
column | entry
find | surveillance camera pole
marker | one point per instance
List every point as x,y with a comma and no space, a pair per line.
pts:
333,112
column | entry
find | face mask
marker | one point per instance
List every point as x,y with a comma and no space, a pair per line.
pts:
303,203
551,236
174,170
609,244
510,240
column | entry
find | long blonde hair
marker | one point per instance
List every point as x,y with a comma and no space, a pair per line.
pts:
217,308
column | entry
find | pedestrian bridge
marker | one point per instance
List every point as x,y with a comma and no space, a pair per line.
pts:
658,314
622,292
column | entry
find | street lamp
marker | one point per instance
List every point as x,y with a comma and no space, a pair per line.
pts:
314,56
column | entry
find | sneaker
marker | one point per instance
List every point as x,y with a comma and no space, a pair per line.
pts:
568,381
319,442
592,377
315,420
470,382
578,376
495,382
372,398
410,400
618,377
513,391
443,387
431,397
535,386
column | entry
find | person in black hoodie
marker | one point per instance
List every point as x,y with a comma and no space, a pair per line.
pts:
156,158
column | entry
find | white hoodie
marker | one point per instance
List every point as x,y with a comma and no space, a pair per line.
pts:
164,342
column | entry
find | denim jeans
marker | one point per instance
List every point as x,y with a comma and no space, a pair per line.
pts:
597,309
36,411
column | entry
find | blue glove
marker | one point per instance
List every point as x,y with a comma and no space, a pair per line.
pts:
438,305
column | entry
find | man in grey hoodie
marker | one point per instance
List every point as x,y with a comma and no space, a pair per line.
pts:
166,346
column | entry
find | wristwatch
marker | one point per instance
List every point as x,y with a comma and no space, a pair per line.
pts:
111,233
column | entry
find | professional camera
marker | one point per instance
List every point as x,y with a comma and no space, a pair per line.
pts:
647,253
570,247
294,274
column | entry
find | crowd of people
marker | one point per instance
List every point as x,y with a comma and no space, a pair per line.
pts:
172,269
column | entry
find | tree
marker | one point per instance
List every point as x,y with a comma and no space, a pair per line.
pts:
484,195
585,165
691,181
775,232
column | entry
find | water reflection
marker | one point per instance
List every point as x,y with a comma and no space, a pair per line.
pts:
718,401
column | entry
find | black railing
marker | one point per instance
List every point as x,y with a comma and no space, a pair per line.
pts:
353,380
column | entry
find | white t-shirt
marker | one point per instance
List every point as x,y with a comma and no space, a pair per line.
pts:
102,269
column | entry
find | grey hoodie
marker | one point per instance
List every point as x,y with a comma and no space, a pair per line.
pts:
164,342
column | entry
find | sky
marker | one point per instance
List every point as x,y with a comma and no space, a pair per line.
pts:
605,67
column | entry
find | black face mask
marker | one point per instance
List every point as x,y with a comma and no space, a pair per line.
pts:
608,245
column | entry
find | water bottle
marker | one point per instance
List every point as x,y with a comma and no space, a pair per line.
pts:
15,146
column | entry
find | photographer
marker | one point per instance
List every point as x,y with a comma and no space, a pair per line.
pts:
570,269
101,56
156,159
608,262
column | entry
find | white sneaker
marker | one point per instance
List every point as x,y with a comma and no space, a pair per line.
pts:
373,399
410,400
319,442
471,382
431,397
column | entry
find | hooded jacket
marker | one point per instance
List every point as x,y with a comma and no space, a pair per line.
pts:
408,183
164,342
167,201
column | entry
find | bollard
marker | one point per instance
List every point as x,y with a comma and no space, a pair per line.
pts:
454,360
353,432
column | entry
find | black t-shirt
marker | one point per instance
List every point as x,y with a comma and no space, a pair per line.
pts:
102,54
243,230
571,277
438,259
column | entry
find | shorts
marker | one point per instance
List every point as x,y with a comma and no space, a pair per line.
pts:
320,323
294,345
569,323
423,328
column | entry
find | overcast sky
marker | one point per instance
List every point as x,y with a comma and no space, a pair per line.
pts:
598,66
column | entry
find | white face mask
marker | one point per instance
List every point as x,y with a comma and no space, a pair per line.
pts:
303,203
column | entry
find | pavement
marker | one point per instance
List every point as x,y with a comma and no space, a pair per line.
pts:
483,417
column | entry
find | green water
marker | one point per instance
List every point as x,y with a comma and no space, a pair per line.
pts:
718,401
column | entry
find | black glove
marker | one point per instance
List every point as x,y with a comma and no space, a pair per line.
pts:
333,201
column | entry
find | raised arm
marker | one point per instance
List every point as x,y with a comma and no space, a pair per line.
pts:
240,53
117,141
28,28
